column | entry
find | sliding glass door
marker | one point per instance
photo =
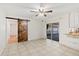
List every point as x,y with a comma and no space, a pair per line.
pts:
53,31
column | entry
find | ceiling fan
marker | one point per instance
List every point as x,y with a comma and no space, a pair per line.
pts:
41,11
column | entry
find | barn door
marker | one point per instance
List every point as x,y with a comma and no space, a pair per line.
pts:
22,30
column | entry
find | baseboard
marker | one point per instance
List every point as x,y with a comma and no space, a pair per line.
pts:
36,39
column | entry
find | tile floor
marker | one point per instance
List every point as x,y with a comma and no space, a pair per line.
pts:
38,48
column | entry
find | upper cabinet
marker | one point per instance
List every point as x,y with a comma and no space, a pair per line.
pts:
74,20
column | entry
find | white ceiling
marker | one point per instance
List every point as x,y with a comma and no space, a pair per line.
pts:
23,9
34,5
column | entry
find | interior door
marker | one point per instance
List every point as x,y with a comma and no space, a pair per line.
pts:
22,30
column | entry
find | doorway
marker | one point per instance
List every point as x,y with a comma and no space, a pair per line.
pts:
17,30
12,31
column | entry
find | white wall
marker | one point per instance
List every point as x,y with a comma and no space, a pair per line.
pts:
35,29
3,35
64,27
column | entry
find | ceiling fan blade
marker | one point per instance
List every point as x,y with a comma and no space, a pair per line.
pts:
39,10
50,11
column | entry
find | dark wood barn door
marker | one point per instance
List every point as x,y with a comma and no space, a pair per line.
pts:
22,30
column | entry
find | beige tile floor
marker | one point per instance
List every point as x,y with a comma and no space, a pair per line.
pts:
38,48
